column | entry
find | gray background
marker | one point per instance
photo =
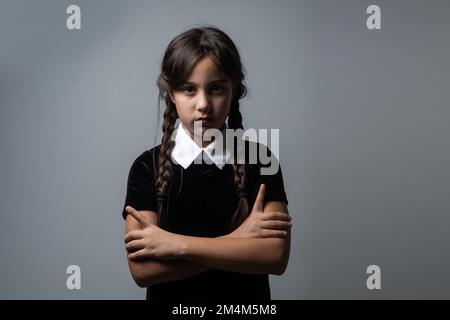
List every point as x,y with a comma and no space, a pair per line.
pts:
364,138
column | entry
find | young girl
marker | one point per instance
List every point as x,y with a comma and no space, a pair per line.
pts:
204,229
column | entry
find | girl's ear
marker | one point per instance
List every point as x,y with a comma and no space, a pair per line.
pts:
171,96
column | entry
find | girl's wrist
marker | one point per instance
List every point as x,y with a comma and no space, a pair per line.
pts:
182,247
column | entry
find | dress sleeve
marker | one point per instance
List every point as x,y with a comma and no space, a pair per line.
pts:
269,172
141,194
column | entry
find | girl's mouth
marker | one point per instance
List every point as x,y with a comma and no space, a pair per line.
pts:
204,120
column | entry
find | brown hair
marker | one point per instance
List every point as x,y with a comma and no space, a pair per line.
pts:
180,57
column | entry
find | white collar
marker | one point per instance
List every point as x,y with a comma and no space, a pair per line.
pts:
186,150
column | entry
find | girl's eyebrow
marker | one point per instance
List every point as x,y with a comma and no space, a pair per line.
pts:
222,80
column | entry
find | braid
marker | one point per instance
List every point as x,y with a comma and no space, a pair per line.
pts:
241,213
165,165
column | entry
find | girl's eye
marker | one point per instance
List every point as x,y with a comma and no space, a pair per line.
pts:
188,90
217,89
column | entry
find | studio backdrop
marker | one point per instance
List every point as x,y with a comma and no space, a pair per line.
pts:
359,91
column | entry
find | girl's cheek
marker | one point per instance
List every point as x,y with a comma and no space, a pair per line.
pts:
183,101
221,103
186,106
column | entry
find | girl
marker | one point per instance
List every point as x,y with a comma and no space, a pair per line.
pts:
198,230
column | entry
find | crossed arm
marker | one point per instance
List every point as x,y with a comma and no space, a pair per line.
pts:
156,255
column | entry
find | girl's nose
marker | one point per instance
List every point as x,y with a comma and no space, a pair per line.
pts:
203,103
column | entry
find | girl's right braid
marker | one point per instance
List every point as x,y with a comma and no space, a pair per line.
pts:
165,165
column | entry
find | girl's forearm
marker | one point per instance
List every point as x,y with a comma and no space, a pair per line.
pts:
245,255
153,271
197,255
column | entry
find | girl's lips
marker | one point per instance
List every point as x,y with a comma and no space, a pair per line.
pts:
203,120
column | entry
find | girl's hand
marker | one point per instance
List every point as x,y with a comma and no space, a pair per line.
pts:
151,241
261,224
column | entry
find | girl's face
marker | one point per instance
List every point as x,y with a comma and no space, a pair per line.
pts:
206,94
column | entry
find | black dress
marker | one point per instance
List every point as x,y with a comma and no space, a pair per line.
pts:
201,201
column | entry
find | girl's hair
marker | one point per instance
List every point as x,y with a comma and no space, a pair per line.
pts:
180,57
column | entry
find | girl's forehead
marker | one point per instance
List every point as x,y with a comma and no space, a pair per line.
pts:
205,70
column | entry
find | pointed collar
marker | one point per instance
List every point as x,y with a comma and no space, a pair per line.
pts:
186,150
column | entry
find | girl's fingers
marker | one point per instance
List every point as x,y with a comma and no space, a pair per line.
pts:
259,202
135,245
276,225
140,254
137,216
274,233
133,235
276,215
